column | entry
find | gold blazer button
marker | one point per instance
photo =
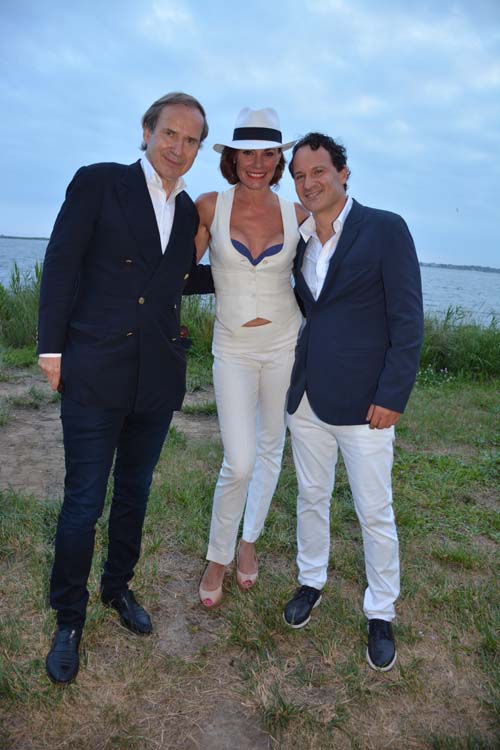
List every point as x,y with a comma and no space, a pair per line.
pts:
186,276
141,300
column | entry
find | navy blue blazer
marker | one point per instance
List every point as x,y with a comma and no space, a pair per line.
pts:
362,337
110,299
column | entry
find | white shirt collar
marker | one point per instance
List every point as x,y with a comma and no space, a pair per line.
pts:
153,179
308,228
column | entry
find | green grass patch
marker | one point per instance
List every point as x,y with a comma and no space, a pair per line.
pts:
23,357
34,398
455,346
19,308
311,687
198,313
203,409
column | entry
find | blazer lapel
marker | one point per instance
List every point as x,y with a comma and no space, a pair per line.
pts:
346,241
139,213
300,282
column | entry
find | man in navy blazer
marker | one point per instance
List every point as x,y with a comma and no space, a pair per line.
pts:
118,261
358,279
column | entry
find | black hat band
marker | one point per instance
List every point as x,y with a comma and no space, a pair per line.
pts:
257,134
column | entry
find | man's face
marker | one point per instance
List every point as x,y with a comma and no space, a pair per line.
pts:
173,144
318,184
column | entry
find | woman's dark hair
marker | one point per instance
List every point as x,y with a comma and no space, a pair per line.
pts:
338,154
228,167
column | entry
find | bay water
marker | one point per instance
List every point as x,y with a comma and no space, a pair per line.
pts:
476,293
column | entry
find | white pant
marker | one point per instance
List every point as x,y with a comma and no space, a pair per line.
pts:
368,457
251,374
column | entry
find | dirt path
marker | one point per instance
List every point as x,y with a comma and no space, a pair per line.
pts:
31,445
32,461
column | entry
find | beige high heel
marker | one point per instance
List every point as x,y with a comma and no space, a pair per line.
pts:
245,581
210,599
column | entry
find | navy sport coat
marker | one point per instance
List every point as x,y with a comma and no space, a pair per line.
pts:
362,337
110,299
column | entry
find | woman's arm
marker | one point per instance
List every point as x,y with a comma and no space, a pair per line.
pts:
206,210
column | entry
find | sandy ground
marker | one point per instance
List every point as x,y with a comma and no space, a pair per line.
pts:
32,461
31,445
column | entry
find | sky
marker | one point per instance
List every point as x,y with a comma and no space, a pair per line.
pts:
412,90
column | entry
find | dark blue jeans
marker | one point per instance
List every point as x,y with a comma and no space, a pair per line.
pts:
92,437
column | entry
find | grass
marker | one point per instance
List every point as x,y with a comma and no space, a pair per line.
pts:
198,317
34,398
238,677
203,409
19,308
19,357
453,345
309,688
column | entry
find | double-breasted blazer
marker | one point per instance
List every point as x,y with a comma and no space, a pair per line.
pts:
110,299
362,336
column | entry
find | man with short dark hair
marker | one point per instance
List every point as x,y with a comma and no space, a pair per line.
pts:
116,266
357,357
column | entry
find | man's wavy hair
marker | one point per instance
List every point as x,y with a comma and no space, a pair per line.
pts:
337,152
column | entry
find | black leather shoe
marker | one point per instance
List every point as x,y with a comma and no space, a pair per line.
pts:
381,651
62,662
132,615
297,612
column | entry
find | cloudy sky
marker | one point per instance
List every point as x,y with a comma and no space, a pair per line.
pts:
411,89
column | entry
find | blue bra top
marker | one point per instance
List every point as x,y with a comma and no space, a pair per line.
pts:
243,249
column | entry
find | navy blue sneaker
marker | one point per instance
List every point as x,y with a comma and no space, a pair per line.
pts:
381,652
297,612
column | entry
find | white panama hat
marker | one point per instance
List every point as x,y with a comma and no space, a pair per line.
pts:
256,129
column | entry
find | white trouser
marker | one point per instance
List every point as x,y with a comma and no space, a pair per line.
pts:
251,374
368,458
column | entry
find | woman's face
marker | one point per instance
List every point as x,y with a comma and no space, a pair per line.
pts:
255,167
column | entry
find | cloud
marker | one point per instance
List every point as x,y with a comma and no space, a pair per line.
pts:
412,91
168,21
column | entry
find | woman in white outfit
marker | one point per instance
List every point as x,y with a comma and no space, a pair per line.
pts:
252,235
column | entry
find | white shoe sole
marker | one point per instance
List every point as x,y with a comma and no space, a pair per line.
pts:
381,669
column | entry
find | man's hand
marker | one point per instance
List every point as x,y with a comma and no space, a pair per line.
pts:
379,417
51,368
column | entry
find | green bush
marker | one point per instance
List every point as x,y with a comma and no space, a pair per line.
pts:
24,357
457,346
198,315
19,308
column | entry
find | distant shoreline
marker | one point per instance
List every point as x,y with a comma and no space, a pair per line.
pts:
485,269
16,237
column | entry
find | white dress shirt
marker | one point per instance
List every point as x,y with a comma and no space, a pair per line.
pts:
317,256
164,208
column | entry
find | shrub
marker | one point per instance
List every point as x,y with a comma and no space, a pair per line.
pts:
19,308
460,347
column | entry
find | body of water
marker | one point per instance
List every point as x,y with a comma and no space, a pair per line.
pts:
477,293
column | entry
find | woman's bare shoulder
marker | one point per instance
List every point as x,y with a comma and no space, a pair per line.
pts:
205,203
206,200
